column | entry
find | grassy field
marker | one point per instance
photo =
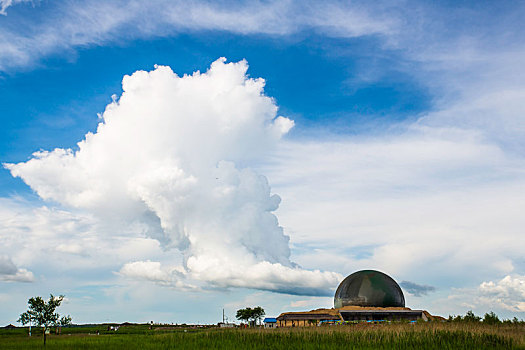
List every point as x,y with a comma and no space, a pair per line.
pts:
387,336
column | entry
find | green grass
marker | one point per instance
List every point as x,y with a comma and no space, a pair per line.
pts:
425,336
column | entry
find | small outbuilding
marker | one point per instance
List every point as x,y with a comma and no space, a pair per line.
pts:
270,322
226,325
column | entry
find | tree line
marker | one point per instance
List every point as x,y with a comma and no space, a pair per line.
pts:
488,318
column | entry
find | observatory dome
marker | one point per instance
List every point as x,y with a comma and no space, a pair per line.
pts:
369,288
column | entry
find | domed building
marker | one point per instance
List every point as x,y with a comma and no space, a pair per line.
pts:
369,288
363,296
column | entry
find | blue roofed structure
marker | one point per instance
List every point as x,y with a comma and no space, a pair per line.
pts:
270,322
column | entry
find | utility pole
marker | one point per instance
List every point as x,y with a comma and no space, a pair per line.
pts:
222,315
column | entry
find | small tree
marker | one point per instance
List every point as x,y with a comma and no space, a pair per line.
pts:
471,317
63,322
456,318
42,313
491,318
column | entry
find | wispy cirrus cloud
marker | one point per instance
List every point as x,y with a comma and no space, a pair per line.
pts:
5,4
435,198
65,26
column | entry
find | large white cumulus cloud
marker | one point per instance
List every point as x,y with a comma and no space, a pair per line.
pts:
173,155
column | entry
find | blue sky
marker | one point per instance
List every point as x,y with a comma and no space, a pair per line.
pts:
392,133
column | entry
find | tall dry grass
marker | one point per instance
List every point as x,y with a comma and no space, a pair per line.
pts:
359,336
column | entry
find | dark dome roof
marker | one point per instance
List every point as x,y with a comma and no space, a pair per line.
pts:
369,288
